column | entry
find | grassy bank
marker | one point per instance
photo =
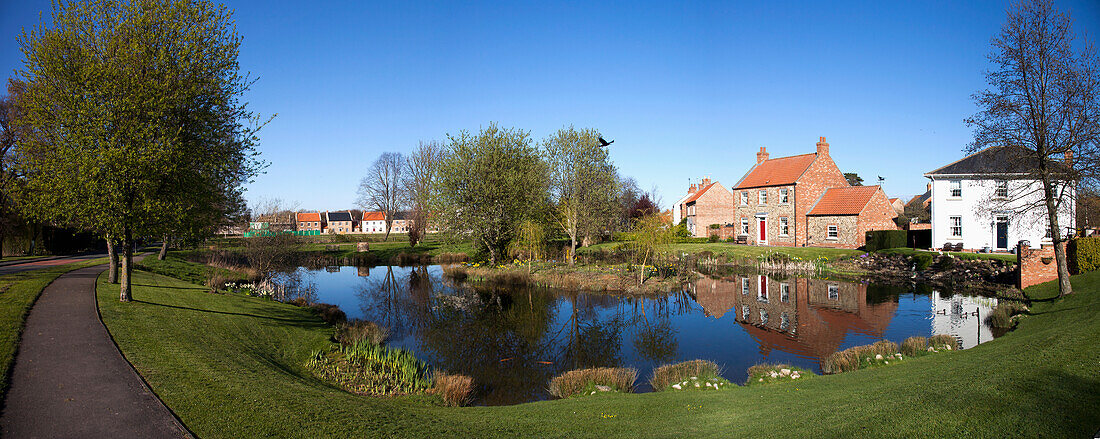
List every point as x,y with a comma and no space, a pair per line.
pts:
1011,258
620,278
737,251
233,366
17,294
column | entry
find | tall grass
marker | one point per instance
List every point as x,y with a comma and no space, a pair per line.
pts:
852,358
1002,315
360,331
670,374
578,381
772,373
943,341
456,390
914,346
371,369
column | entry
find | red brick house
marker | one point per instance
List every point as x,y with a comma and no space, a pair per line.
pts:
308,221
707,203
843,215
773,198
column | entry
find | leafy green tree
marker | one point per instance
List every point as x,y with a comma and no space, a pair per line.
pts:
651,235
529,243
582,184
8,139
133,117
489,183
853,179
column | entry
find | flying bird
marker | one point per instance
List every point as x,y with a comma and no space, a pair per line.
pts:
604,142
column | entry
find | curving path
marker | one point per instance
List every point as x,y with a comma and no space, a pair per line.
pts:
70,380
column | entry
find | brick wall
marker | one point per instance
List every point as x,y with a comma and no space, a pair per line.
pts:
1035,266
822,174
715,206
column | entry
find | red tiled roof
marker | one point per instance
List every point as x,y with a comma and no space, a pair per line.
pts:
308,216
698,194
374,216
777,172
893,200
844,200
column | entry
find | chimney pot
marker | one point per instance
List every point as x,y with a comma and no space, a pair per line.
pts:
762,155
822,146
929,186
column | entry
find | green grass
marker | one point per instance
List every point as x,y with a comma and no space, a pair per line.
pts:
22,258
737,251
18,292
175,265
1006,257
234,366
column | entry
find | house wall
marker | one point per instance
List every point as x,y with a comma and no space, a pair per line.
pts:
309,225
848,231
978,206
773,210
339,227
822,174
713,207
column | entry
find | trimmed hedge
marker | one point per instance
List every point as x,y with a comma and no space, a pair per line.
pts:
882,239
1083,254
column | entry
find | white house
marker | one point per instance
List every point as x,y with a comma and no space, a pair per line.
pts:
962,317
989,200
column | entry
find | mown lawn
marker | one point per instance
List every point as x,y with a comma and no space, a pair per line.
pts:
232,366
18,292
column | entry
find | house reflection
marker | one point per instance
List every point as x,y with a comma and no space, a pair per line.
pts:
363,271
962,317
805,317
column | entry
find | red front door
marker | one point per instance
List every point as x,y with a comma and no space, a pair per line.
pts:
763,223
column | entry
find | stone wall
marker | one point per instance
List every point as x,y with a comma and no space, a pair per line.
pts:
773,209
1036,265
848,231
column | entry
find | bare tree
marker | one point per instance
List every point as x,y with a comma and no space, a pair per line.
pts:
270,254
421,171
1043,98
582,184
381,189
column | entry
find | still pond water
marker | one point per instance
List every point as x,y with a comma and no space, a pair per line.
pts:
512,341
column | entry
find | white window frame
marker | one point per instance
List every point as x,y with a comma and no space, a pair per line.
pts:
784,196
745,312
784,292
763,197
1001,189
955,227
763,316
832,232
745,286
744,198
744,226
784,226
954,189
834,292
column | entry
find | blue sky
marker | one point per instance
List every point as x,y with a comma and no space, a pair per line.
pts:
686,89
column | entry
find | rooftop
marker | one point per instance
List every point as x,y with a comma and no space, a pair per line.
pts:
844,200
777,172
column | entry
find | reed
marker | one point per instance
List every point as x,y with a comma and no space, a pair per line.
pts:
1002,315
576,382
943,341
665,376
456,390
914,346
371,369
360,331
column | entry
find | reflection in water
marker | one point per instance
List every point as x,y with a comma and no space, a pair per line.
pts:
513,340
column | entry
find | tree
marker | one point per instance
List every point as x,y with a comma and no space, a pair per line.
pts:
853,179
133,115
529,243
651,235
629,193
488,184
644,206
1045,99
8,140
421,172
381,189
582,184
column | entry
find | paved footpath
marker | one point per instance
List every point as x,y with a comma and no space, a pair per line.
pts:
70,380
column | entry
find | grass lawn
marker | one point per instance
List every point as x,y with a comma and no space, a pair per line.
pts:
739,251
175,265
21,258
233,366
18,292
1006,257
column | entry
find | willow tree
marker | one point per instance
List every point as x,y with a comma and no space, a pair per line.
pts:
582,184
133,117
489,183
1044,98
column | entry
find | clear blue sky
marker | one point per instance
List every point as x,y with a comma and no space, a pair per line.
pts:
686,89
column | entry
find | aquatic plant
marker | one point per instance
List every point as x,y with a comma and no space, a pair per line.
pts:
1002,316
941,342
879,353
371,369
774,373
666,376
914,346
584,381
358,331
456,390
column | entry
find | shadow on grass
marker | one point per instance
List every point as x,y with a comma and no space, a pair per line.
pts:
304,322
169,287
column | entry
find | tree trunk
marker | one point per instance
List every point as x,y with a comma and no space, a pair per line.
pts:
572,248
127,266
1064,286
163,249
112,256
1,243
389,225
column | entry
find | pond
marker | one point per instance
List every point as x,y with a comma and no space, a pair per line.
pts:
513,340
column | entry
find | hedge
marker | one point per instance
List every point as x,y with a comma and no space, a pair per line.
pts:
1083,254
882,239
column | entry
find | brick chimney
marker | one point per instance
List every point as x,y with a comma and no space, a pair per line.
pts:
692,188
822,146
762,155
929,186
704,183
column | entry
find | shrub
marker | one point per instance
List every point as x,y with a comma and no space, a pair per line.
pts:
360,331
943,341
945,263
1084,254
713,239
330,313
670,374
884,348
774,373
882,239
456,390
215,281
914,345
860,356
576,382
922,261
1001,316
